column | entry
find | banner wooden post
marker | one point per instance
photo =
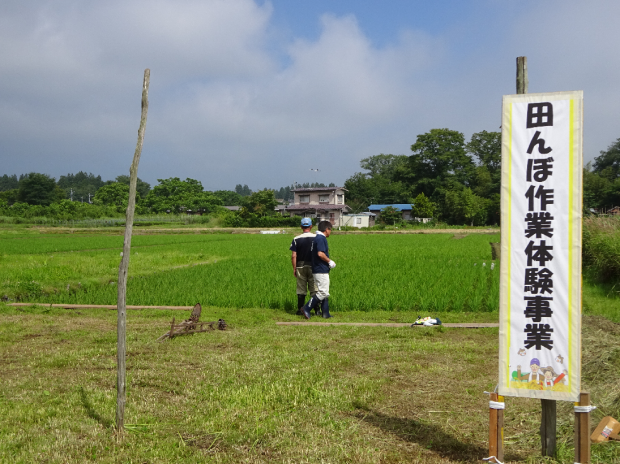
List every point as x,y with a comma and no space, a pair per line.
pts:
496,429
500,431
548,427
582,431
548,418
493,427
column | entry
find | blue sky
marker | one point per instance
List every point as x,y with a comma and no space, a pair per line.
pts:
259,92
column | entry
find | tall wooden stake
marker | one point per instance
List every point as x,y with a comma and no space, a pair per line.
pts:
582,431
522,80
496,429
548,419
121,326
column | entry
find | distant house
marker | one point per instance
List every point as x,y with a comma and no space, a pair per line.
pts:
614,211
281,209
232,208
322,203
404,209
359,220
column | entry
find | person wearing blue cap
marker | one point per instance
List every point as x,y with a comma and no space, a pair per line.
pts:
321,265
301,258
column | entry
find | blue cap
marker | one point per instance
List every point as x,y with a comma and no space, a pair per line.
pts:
306,222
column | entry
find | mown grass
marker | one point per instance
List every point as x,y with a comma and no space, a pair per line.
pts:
263,393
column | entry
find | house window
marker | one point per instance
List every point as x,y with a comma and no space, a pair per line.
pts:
323,198
340,199
359,220
304,198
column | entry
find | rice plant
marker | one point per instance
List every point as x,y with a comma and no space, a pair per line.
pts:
390,272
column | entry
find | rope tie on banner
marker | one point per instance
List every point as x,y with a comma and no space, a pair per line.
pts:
584,409
495,460
497,405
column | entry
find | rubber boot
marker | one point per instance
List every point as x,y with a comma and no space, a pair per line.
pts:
325,308
301,299
312,303
317,310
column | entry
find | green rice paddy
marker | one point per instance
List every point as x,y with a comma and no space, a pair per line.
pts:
374,272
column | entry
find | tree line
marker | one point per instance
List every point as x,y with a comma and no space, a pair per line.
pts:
39,195
445,177
459,182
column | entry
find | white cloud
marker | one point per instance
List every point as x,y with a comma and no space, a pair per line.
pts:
233,100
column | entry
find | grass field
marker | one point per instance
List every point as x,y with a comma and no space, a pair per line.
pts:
261,393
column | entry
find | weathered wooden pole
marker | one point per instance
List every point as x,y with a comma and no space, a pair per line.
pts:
522,80
548,427
548,418
121,326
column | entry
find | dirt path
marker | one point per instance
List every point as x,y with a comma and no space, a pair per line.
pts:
213,230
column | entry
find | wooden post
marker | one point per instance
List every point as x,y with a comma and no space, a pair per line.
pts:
493,428
522,80
548,420
548,427
121,325
496,429
582,431
500,431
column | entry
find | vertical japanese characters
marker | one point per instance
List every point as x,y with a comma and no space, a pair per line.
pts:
539,224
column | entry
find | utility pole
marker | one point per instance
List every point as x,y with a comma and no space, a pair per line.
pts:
71,195
89,198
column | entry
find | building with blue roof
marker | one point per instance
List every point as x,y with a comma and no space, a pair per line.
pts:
404,209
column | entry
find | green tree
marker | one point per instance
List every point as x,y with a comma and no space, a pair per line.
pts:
38,189
9,183
487,148
177,196
115,194
262,202
143,188
439,161
390,215
466,207
423,207
229,198
80,185
383,165
595,189
9,196
243,190
379,184
608,163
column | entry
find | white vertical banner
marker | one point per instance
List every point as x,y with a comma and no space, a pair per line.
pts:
540,280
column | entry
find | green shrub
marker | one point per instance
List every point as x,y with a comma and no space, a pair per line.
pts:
601,246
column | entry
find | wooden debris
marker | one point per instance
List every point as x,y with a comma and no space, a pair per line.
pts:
193,325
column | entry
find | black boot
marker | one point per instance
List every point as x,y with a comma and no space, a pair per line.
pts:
301,299
325,308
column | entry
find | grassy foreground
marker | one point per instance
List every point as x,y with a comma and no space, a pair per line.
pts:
261,393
